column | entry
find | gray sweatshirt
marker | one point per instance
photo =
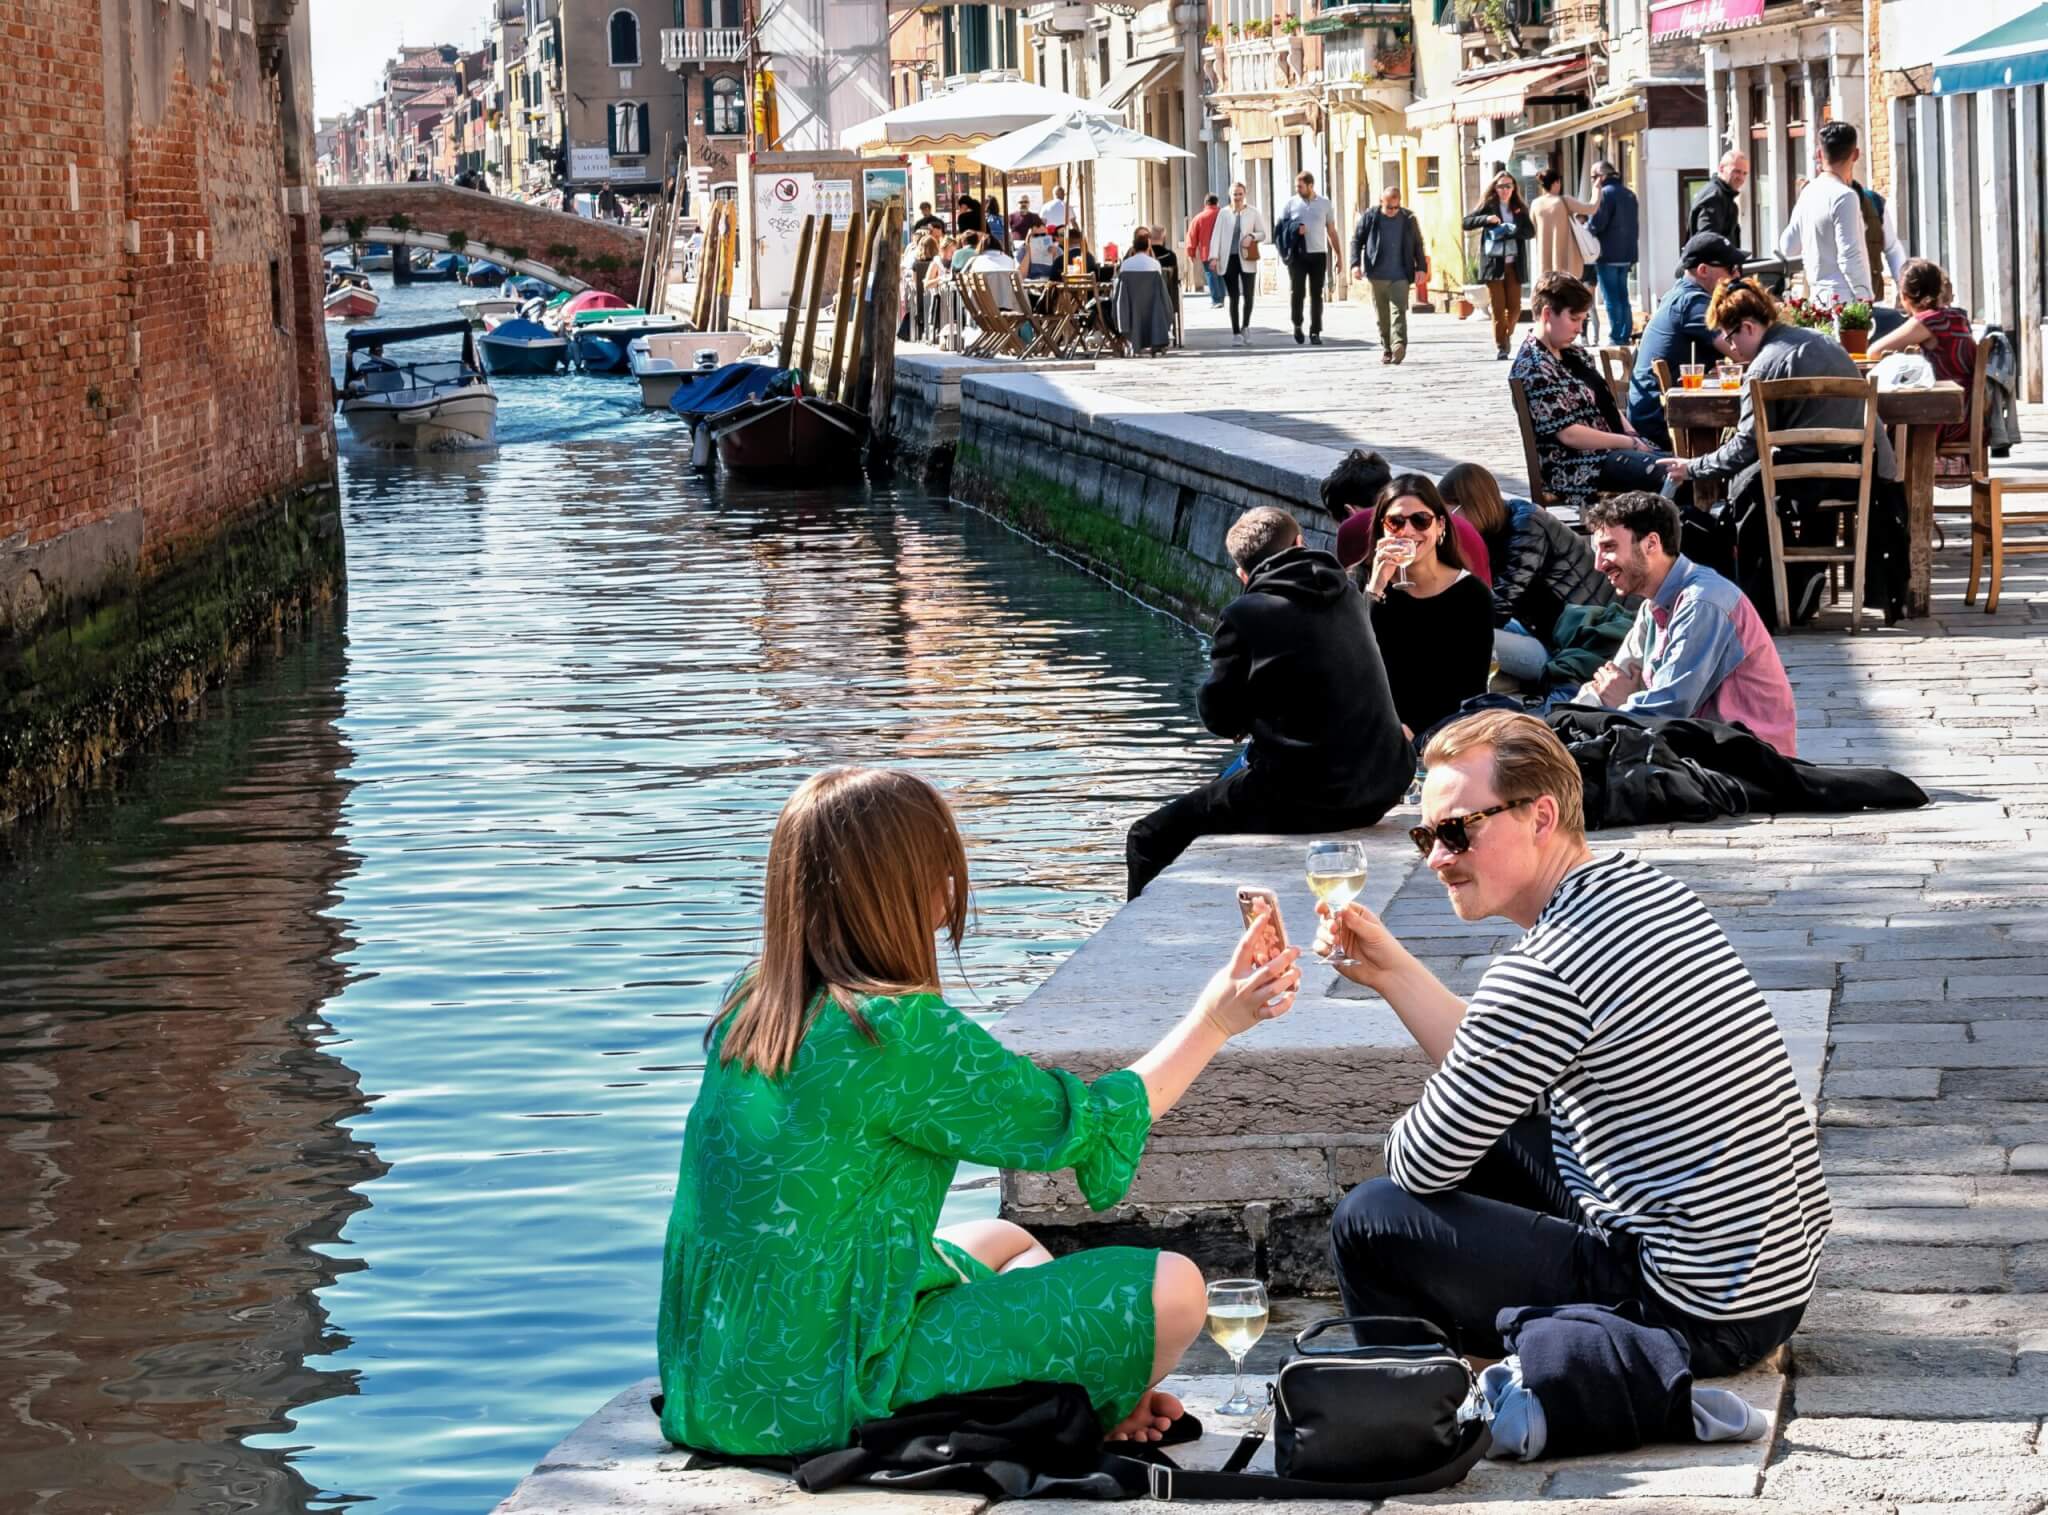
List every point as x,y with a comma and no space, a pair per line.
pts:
1793,352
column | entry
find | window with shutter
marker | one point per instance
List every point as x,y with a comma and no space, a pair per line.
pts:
640,128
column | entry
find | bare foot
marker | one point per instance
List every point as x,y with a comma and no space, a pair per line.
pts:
1155,1412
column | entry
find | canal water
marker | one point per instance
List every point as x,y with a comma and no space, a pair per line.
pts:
347,1034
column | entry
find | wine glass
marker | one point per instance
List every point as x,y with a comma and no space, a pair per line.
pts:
1404,554
1336,876
1237,1319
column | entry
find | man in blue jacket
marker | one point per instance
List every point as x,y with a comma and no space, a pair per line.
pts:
1678,331
1615,224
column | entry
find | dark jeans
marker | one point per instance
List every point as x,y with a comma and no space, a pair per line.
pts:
1512,1235
1621,319
1623,469
1305,275
1240,282
1239,801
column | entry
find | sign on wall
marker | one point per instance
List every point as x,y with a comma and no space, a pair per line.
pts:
781,201
1693,18
835,199
887,189
590,163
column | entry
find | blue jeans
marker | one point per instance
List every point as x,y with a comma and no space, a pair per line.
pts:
1215,287
1621,321
1521,656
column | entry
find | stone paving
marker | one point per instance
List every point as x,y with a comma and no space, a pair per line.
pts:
1920,1376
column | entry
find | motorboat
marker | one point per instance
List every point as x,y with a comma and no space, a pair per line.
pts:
701,397
565,307
780,436
416,407
376,258
601,338
483,314
519,346
483,274
661,361
350,296
446,269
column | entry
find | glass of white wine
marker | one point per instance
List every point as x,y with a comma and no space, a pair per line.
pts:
1336,876
1237,1319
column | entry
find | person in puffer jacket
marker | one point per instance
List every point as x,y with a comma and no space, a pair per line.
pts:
1540,565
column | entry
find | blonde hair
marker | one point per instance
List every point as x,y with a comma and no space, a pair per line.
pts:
860,859
1528,761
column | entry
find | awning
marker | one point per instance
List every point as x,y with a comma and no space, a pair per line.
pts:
1697,18
1625,114
1133,78
2003,58
1495,92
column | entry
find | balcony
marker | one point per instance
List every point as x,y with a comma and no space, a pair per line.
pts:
682,45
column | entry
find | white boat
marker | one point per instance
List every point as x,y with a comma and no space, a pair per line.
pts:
484,314
661,359
416,407
350,296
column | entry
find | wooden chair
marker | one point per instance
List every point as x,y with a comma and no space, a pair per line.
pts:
1617,365
1764,393
1093,333
1662,370
1988,515
1002,334
1530,458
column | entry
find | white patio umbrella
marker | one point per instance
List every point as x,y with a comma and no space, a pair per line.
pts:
1078,136
960,118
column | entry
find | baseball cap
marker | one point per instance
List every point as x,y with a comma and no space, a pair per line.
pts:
1712,247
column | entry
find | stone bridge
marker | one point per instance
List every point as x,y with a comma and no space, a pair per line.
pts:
572,252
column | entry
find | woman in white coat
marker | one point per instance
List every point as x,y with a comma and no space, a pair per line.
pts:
1240,229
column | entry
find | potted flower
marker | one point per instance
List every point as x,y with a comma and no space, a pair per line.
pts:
1292,26
1213,34
1852,326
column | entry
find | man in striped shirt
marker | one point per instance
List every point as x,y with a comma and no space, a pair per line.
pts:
1613,1117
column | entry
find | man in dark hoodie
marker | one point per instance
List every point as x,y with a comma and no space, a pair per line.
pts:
1294,666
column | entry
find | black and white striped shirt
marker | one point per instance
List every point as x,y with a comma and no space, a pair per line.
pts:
1674,1112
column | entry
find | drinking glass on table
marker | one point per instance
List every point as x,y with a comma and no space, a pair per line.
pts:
1692,375
1728,374
1237,1319
1336,876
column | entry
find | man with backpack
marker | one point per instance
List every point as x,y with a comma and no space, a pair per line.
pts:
1387,252
1308,226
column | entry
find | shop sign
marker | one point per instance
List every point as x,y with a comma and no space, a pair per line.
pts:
1693,18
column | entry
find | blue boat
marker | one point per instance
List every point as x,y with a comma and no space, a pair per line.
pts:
522,347
707,394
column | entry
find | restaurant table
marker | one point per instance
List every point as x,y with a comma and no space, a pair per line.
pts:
1697,417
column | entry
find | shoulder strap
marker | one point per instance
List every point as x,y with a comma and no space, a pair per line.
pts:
1157,1476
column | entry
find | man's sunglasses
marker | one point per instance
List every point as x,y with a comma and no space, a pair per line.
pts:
1451,830
1415,523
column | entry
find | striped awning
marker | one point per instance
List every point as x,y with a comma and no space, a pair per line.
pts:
1501,91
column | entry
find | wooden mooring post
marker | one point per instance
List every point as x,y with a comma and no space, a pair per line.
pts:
784,352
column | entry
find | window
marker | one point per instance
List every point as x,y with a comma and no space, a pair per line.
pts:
627,129
625,37
1427,172
725,114
277,294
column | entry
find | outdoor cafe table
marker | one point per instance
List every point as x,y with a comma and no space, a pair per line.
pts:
1697,417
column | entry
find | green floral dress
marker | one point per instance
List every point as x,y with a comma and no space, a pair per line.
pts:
803,1291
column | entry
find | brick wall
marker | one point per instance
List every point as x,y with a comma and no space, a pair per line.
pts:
604,254
143,364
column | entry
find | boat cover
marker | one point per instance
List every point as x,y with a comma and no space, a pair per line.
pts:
708,394
592,299
519,330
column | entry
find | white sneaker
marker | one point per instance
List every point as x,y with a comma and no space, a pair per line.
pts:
1247,339
1236,339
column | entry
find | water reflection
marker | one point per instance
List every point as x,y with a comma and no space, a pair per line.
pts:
171,1153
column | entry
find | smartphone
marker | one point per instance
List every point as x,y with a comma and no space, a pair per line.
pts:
1251,897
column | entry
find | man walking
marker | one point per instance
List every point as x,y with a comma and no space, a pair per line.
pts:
1826,230
1294,667
1718,207
1616,223
1308,265
1387,251
1199,231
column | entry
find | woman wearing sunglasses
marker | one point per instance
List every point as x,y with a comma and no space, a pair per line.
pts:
1432,618
1670,1163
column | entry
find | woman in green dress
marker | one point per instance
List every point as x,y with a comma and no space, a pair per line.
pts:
805,1285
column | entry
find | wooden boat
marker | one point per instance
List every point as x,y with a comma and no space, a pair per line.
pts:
661,361
416,407
349,296
784,436
522,347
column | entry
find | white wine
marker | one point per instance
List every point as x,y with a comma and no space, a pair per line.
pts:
1337,889
1237,1327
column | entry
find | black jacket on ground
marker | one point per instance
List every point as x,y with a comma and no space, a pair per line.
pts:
1714,209
1296,668
1541,567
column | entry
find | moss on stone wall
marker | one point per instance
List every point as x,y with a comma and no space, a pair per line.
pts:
1155,571
91,676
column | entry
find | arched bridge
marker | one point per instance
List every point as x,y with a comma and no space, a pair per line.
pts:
573,252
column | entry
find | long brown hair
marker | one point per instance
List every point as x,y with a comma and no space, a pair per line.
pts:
860,859
1469,488
1422,488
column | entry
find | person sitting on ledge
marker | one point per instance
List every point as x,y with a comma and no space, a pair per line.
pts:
805,1286
1698,647
1351,492
1294,666
1613,1119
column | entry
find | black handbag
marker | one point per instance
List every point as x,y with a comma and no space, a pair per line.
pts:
1399,1413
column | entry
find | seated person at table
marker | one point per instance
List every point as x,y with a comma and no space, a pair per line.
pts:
1079,260
1613,1119
1435,630
963,254
1678,331
1041,255
999,270
805,1285
1747,318
1351,490
1294,666
1144,316
1583,444
1542,565
1698,647
1941,331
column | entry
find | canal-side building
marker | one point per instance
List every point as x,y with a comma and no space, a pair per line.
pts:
617,104
164,392
706,56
